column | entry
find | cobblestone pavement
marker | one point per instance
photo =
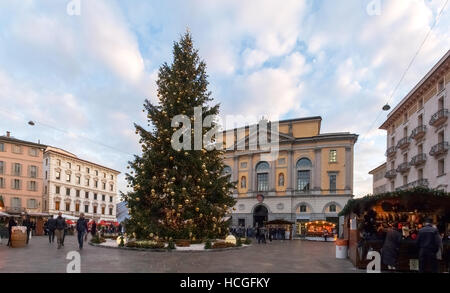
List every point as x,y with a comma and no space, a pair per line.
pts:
277,257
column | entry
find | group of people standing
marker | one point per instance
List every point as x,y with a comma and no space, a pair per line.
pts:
428,241
25,221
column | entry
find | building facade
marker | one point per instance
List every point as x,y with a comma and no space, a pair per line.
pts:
73,186
21,175
418,134
310,179
379,181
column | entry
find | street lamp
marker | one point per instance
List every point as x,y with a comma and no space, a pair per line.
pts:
386,107
31,123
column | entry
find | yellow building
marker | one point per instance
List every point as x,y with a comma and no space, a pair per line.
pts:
310,179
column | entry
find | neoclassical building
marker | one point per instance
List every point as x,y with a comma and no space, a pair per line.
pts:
310,179
73,185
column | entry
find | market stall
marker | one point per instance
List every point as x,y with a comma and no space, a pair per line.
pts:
280,229
367,220
315,230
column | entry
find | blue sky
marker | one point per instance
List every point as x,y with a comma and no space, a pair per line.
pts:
83,78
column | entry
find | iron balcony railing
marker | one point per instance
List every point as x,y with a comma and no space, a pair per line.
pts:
391,174
439,117
439,149
418,132
418,160
417,183
403,167
403,143
391,151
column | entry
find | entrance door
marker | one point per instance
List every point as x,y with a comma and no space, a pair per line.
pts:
260,215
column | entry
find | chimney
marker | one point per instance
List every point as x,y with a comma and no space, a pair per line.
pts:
8,134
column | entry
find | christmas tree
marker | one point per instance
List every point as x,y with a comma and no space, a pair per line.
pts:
178,193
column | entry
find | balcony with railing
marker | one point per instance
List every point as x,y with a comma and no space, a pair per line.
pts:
417,183
391,151
403,167
439,117
391,174
418,132
418,160
403,143
439,149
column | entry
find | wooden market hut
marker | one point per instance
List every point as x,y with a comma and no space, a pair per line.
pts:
366,218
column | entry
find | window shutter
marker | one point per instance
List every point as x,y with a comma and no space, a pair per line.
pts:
12,185
29,171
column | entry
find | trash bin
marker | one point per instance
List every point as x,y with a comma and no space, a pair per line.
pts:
341,248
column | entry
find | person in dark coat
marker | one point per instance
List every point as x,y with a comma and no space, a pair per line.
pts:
11,224
60,226
82,228
391,246
51,225
94,229
428,242
27,223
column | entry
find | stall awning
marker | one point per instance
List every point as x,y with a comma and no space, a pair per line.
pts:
3,214
279,222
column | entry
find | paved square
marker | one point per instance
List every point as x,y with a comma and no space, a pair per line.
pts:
277,257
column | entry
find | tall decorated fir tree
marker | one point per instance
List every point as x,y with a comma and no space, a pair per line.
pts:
178,193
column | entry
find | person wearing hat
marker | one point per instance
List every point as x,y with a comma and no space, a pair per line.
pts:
428,242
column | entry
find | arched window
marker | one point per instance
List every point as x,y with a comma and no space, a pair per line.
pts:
304,167
281,179
303,208
262,176
332,208
243,182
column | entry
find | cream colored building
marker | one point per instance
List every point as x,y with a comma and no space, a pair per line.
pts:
311,179
73,185
379,181
418,133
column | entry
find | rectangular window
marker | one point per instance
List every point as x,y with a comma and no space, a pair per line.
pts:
392,185
95,209
405,180
68,177
244,165
86,208
96,183
103,197
78,180
263,181
67,206
88,170
2,147
441,103
103,210
46,174
110,211
2,182
95,196
104,186
77,193
405,132
77,207
111,187
2,167
57,205
79,168
17,149
58,162
440,85
441,137
333,183
45,189
58,175
441,167
110,199
32,186
86,194
104,175
33,171
33,152
16,202
87,182
303,180
112,177
17,169
46,162
405,117
420,119
332,156
16,184
68,191
303,209
96,172
57,189
31,203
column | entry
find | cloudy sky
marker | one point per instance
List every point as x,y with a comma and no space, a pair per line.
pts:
83,76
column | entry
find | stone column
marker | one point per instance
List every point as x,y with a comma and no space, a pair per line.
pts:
290,173
348,169
250,178
273,176
317,169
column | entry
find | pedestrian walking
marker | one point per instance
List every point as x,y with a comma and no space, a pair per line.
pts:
27,223
51,225
82,229
428,242
59,231
325,234
94,229
391,247
11,224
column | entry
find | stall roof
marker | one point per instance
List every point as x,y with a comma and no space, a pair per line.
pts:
419,198
279,222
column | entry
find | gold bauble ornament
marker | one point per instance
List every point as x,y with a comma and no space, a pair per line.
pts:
172,193
197,209
171,158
